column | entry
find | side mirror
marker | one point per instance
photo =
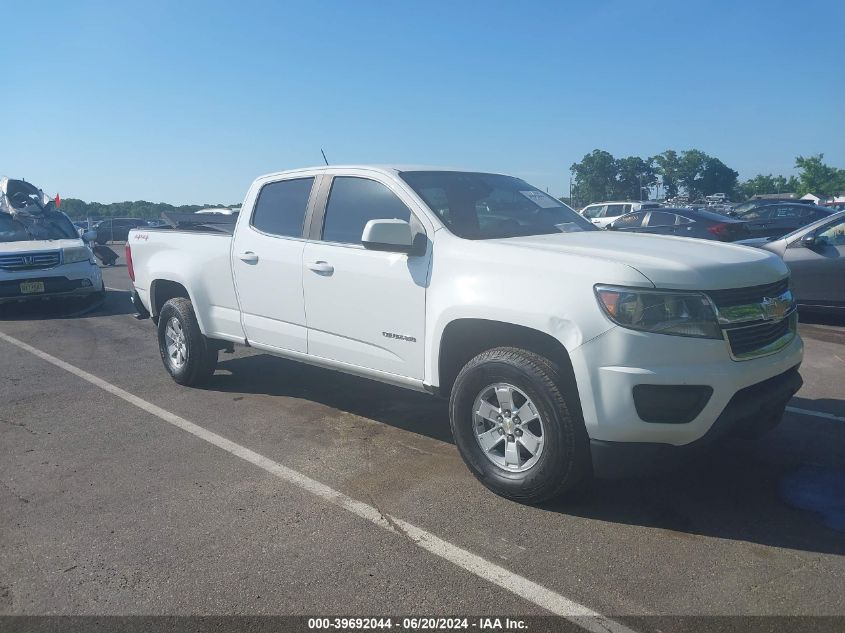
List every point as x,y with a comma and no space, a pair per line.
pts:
88,236
394,236
810,241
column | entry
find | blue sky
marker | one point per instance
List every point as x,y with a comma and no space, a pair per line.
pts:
186,102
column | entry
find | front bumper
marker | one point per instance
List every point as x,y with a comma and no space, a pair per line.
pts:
608,368
619,459
79,279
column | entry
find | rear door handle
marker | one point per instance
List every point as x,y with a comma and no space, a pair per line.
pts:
249,257
321,267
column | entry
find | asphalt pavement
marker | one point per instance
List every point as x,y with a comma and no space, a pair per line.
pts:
112,507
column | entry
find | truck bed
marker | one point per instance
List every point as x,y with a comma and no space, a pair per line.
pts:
196,257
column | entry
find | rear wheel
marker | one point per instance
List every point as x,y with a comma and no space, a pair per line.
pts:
188,356
517,429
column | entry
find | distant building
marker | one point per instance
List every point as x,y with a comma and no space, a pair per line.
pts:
813,197
774,196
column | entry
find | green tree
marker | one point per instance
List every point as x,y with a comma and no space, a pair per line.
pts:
668,166
716,177
690,168
595,177
818,178
632,173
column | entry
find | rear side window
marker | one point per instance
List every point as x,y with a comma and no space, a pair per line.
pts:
355,201
659,218
614,210
630,220
280,209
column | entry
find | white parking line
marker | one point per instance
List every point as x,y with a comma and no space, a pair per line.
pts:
818,414
516,584
117,289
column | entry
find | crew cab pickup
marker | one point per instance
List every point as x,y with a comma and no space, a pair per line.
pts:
565,351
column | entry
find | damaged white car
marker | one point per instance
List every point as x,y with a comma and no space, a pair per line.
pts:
41,253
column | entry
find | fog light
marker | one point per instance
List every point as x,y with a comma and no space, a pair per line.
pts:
86,283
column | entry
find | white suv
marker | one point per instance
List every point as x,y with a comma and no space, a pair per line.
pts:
603,213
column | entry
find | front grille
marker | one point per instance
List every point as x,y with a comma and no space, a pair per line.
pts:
30,261
743,296
748,341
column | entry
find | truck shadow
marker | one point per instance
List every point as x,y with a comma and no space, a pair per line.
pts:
743,490
407,410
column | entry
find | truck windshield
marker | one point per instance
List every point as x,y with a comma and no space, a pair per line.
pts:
54,226
478,206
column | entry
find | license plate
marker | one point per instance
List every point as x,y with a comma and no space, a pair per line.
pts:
30,287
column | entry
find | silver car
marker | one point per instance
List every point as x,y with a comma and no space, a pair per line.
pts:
816,256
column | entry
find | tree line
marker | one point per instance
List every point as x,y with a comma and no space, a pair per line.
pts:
600,176
78,209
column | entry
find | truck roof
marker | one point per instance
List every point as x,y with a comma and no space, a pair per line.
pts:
390,169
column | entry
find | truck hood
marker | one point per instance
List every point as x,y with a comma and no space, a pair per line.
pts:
38,245
668,262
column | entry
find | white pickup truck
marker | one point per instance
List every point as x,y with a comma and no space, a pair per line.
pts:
565,351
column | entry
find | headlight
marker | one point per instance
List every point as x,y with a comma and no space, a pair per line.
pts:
76,254
677,313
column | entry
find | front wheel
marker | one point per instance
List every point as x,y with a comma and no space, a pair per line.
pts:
518,427
185,352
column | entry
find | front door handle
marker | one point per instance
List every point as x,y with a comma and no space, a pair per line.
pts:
249,257
324,268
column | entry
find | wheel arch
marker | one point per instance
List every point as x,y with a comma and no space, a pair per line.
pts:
161,290
465,338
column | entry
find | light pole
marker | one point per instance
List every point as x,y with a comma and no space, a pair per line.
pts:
571,201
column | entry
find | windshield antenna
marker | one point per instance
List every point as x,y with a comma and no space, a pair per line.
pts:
324,157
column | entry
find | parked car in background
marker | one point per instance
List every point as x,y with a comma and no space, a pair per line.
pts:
682,223
603,213
776,220
116,229
816,256
742,207
41,252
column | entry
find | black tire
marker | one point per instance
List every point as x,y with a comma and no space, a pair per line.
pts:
564,466
201,357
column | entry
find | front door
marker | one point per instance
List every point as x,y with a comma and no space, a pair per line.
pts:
818,272
364,307
267,265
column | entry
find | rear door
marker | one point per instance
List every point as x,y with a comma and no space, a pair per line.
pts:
758,221
267,263
365,308
818,273
661,223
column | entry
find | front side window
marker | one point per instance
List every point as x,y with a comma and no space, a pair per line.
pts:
478,206
594,211
788,212
833,234
659,218
280,208
614,210
355,201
